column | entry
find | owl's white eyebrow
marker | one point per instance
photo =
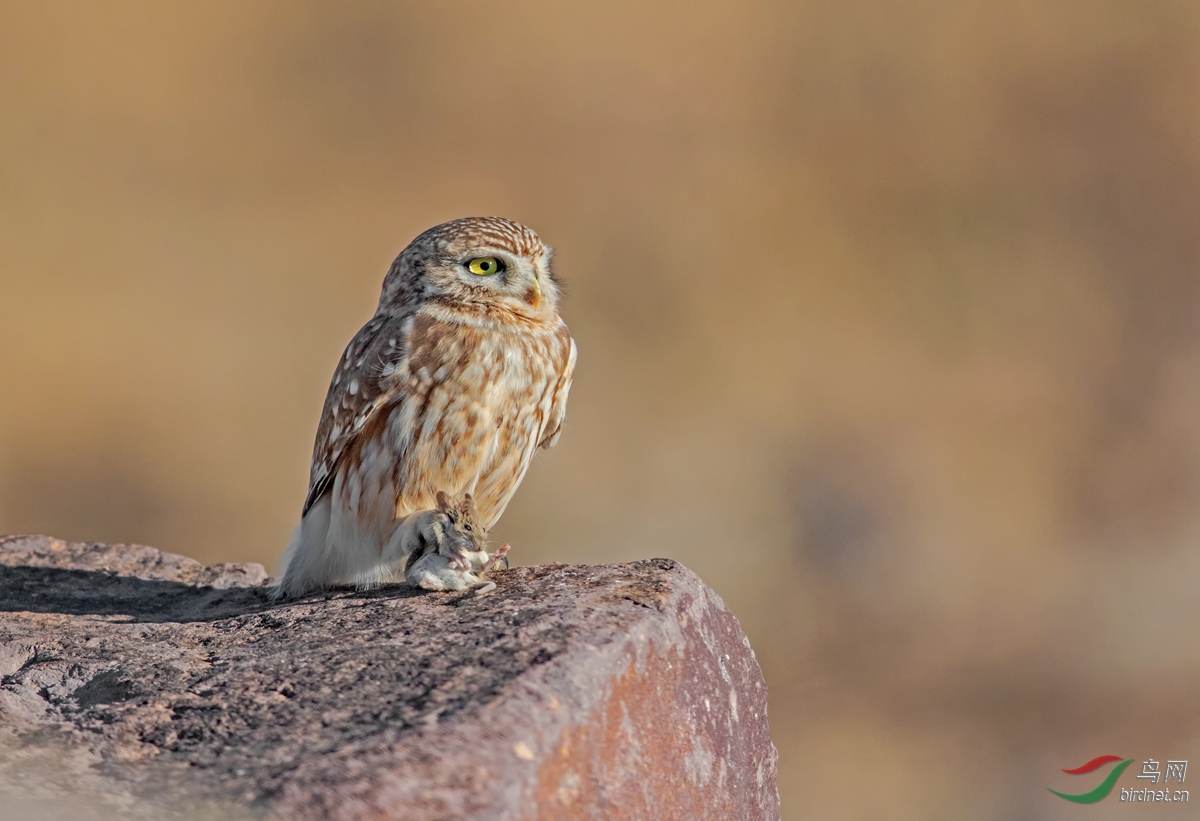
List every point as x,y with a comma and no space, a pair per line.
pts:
484,251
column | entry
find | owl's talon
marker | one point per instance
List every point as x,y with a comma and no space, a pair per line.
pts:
433,572
450,553
458,553
501,555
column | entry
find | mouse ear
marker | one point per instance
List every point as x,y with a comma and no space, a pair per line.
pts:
443,502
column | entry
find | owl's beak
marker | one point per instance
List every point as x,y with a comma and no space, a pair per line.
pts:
535,295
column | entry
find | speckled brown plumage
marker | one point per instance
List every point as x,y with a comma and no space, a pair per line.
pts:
451,387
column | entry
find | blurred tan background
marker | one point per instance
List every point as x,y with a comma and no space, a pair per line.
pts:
887,318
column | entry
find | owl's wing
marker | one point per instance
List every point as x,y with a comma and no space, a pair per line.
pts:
558,409
359,388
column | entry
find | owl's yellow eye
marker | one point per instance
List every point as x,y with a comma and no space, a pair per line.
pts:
485,266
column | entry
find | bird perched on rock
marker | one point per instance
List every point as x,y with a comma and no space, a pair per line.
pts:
461,375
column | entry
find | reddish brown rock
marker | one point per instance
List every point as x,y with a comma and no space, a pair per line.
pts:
140,683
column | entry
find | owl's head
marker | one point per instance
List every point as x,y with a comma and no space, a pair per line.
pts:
476,265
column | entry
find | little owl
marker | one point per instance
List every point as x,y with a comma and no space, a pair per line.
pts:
437,406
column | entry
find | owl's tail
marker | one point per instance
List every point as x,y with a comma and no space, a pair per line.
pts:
307,564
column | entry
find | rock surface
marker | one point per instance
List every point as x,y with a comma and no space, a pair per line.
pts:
135,683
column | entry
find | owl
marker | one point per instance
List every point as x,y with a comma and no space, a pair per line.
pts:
437,405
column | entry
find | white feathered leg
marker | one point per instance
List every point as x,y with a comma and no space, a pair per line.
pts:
326,550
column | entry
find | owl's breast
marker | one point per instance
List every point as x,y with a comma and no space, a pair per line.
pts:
474,417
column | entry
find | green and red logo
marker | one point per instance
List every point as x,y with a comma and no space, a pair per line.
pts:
1105,787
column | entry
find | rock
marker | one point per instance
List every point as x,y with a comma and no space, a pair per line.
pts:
144,685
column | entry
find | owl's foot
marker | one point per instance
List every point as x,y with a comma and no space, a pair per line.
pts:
452,553
433,572
498,558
